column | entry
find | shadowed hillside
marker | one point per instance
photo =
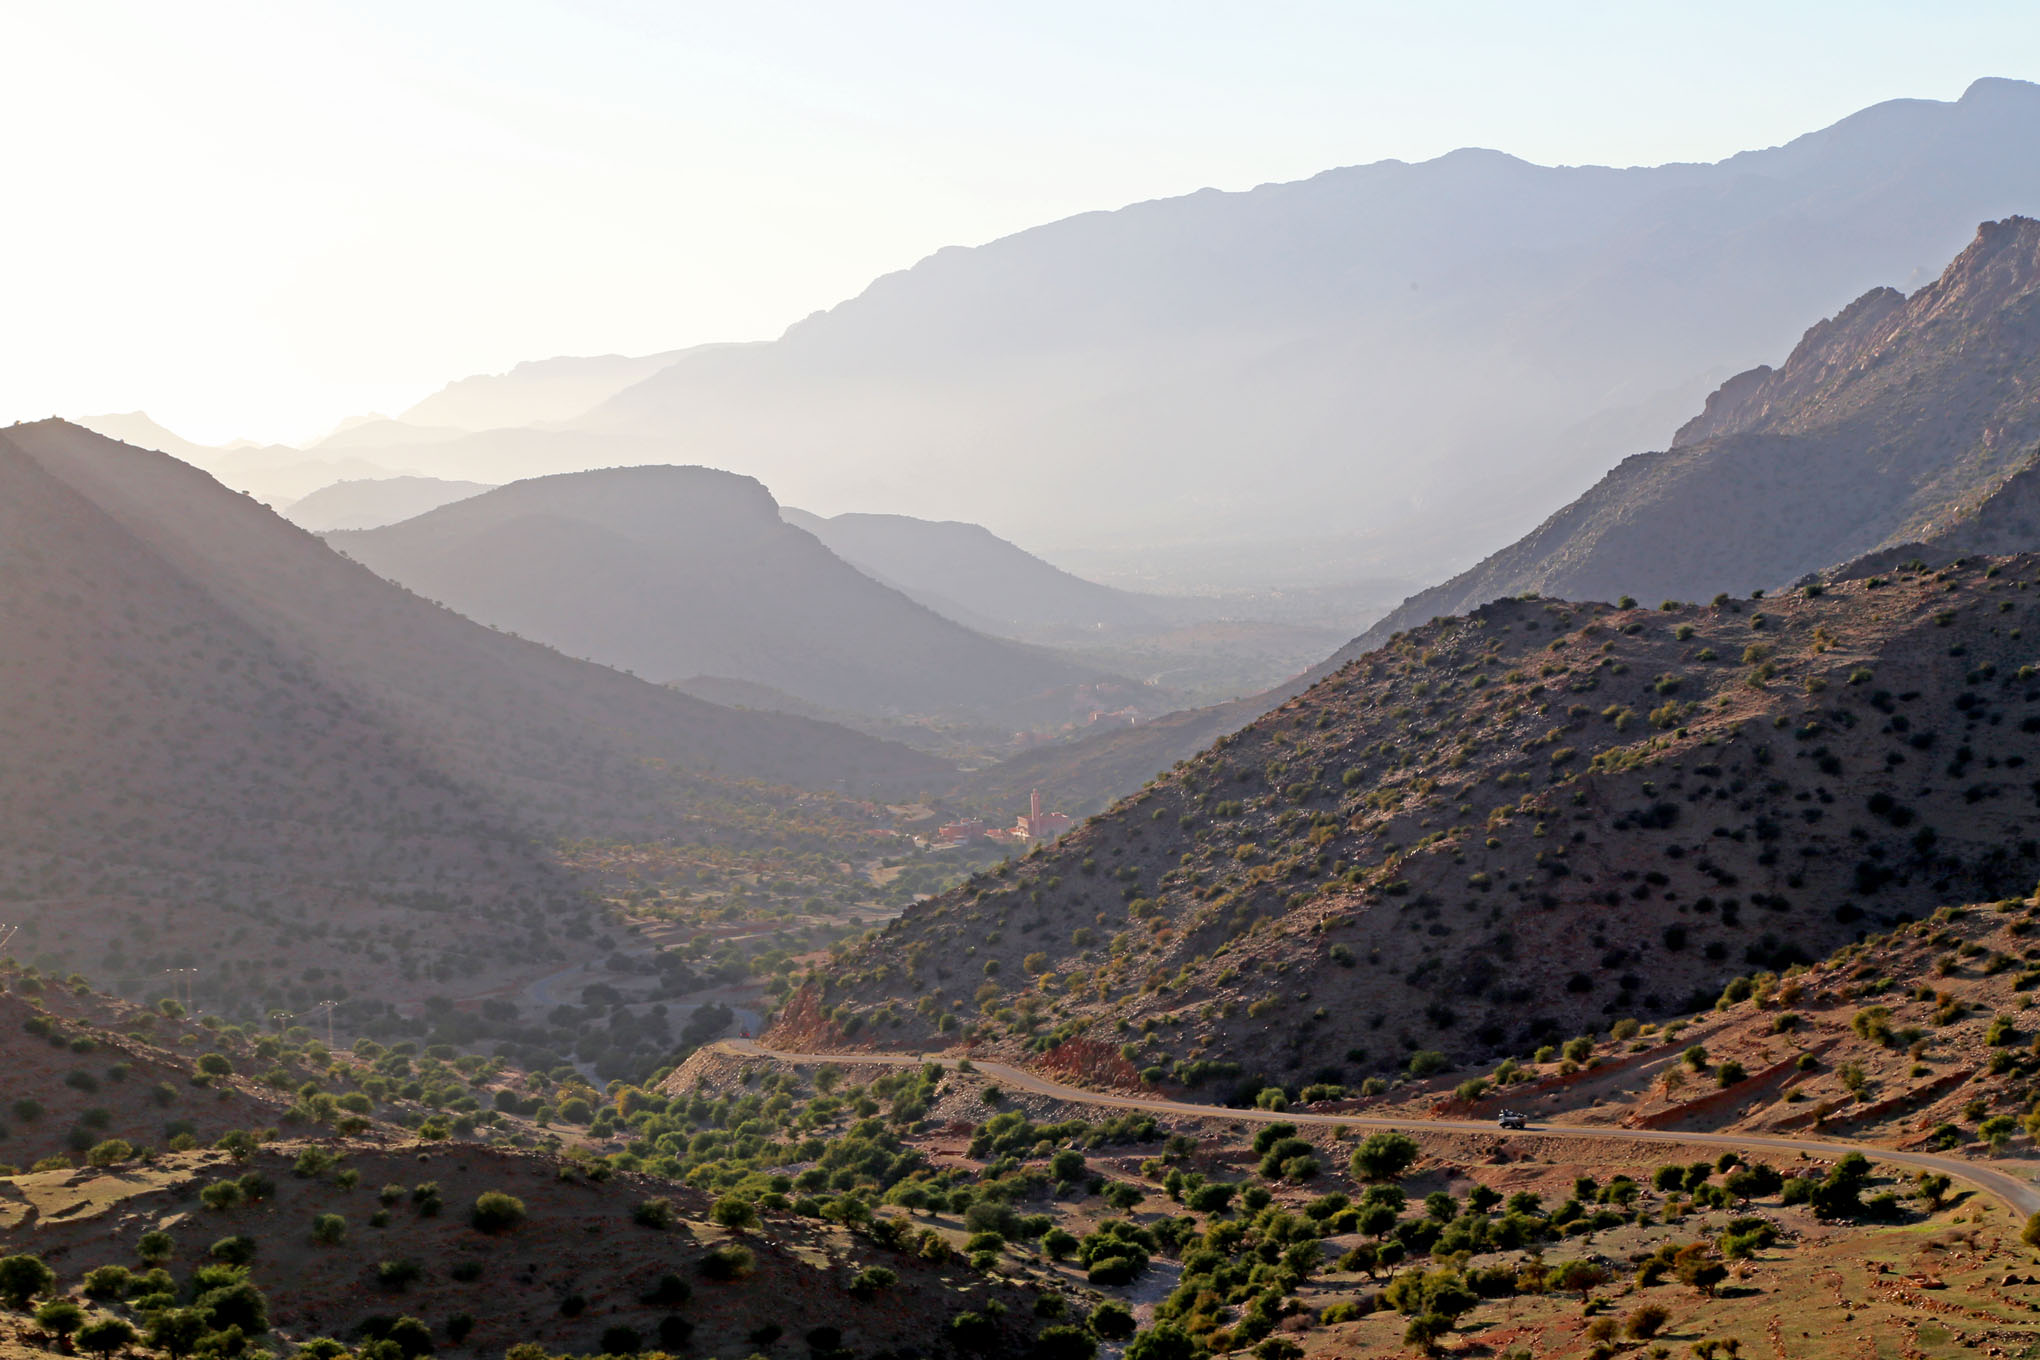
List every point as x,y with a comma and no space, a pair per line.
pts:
1505,826
203,706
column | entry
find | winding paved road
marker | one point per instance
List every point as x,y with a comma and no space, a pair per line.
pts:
2019,1195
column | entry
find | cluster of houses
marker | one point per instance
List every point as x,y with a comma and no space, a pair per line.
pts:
1035,825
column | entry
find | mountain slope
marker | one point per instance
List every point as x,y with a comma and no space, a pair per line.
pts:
673,573
373,503
201,706
967,573
1442,351
1505,827
1895,421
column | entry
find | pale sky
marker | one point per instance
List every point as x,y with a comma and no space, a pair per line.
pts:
255,219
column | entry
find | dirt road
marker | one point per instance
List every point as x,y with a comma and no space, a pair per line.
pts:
2017,1193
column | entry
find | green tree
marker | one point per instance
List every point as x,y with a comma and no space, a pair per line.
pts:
1064,1342
1111,1321
222,1195
653,1213
107,1282
239,1304
105,1336
1697,1269
176,1330
22,1278
1425,1331
496,1212
237,1250
1384,1156
110,1153
1163,1341
1418,1293
60,1317
410,1336
734,1212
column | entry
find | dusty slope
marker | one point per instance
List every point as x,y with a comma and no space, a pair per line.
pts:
1507,827
1899,419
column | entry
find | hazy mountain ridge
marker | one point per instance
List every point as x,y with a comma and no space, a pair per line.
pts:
1895,421
677,573
533,392
1444,350
1348,333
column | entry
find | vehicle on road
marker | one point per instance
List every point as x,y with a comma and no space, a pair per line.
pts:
1513,1119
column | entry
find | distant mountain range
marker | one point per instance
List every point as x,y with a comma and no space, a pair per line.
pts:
1386,369
678,574
1901,424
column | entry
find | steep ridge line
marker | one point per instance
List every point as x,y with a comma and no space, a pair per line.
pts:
2021,1197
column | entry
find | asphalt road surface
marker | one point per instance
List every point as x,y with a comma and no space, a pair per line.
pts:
2017,1193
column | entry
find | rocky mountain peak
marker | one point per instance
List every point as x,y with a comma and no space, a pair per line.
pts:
1822,380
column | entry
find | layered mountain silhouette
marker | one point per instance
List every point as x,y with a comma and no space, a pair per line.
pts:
1392,364
1901,422
202,704
277,474
675,573
370,503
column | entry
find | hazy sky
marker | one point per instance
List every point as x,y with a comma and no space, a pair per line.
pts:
259,218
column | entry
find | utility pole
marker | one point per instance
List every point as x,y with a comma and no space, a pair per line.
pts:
182,976
7,932
327,1006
